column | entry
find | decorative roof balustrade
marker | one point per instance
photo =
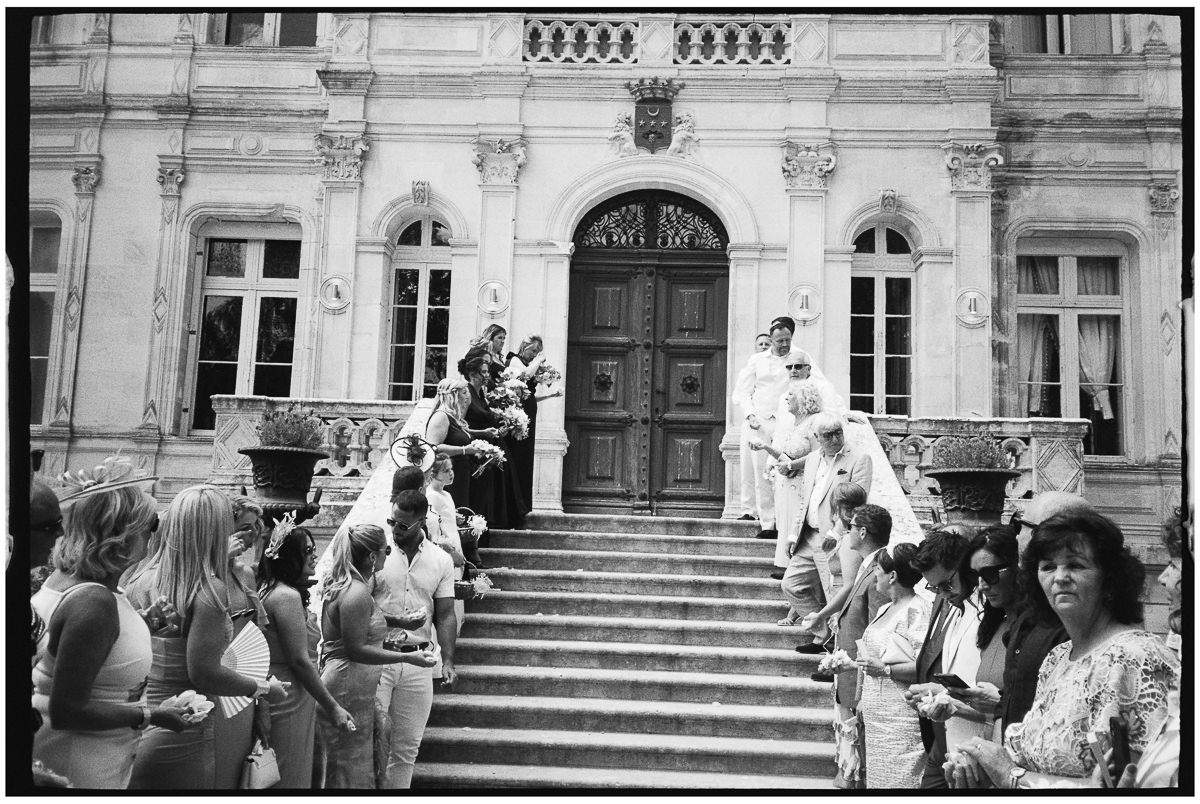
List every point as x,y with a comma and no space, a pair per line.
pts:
579,42
732,43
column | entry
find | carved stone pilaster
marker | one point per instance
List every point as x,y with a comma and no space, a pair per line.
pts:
185,31
499,160
170,179
341,156
971,165
808,166
85,178
1163,197
99,32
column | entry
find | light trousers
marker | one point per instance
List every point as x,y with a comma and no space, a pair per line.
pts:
406,692
746,471
764,490
802,588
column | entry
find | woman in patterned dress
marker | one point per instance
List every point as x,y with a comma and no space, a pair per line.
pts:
895,756
1078,568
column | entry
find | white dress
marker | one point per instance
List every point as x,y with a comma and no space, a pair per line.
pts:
895,754
794,439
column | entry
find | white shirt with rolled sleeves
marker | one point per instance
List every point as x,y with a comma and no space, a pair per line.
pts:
761,384
400,586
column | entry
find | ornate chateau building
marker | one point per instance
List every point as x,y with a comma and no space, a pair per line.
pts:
974,220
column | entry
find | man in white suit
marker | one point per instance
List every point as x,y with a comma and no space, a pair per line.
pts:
759,388
833,463
762,342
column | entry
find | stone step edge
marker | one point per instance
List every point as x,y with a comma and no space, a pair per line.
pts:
578,574
764,560
484,619
484,672
604,778
643,648
636,708
601,534
617,597
655,743
537,516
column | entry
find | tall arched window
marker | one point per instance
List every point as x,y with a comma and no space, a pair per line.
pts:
420,332
881,322
45,241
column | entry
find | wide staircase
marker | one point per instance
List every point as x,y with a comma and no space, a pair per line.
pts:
629,652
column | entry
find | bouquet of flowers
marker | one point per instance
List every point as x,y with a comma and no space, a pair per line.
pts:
836,662
162,618
517,422
491,454
196,705
474,524
508,393
546,374
473,589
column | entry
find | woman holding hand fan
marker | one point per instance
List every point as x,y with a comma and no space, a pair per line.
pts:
94,652
191,571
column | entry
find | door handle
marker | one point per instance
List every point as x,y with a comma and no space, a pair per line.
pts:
647,344
645,420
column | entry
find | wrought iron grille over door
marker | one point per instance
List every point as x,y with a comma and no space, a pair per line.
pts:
646,359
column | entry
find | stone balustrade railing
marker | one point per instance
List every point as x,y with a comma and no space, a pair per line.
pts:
580,42
1047,452
732,43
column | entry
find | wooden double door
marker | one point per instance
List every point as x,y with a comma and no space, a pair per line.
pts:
645,382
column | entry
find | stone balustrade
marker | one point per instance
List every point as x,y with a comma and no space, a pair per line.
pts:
580,42
732,43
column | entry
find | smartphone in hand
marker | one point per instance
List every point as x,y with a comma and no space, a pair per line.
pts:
950,680
1119,734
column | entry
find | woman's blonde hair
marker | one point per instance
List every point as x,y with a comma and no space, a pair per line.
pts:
194,548
529,340
97,539
449,399
350,549
242,504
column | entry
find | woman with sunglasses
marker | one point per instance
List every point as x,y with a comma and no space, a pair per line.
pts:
352,653
189,578
284,576
94,651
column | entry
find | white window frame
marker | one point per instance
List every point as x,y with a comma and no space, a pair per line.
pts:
219,23
882,266
1067,306
1057,45
251,288
423,259
53,284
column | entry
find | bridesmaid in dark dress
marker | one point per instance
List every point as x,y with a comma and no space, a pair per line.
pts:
526,360
495,493
447,430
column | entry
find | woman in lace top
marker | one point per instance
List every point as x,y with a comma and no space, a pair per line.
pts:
1078,568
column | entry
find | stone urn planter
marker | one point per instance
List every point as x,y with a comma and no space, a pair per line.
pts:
973,497
283,474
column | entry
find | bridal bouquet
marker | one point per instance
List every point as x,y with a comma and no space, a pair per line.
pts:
836,662
196,706
546,374
162,618
508,393
517,422
490,453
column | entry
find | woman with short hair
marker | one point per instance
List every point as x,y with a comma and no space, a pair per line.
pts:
1078,568
94,652
284,576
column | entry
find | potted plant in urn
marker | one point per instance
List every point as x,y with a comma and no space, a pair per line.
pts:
973,473
287,453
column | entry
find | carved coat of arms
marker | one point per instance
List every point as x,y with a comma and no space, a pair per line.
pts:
652,116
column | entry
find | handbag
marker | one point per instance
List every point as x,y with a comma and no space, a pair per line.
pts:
260,769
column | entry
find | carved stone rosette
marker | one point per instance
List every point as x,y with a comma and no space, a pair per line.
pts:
85,178
808,166
971,165
499,160
341,157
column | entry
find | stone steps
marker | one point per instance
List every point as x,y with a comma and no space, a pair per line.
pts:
624,750
769,692
507,601
629,653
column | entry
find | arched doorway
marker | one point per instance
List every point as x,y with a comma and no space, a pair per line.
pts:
646,358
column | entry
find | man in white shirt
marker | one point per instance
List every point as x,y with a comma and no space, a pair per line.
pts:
761,386
832,463
762,342
417,576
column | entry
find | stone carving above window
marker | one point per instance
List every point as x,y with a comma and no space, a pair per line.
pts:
887,201
420,193
621,139
683,138
970,165
499,160
808,166
341,156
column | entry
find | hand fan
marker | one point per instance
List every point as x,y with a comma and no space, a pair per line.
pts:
249,655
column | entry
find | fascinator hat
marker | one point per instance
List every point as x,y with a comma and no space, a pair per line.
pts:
412,450
115,472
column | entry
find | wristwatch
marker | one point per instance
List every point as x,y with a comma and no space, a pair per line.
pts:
1015,774
264,687
145,719
887,670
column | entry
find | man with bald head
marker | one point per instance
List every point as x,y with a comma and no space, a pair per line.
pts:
1044,506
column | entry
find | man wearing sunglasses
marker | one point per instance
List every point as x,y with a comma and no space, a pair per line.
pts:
938,559
418,578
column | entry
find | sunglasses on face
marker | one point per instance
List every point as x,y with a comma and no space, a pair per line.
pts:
946,587
402,526
991,575
796,365
830,434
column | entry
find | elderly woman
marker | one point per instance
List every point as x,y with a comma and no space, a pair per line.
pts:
94,653
190,577
524,362
1078,568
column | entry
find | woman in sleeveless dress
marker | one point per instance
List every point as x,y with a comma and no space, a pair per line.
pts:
352,653
94,651
190,575
284,575
447,430
492,493
895,756
524,362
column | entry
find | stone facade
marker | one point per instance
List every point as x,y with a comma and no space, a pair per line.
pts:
800,132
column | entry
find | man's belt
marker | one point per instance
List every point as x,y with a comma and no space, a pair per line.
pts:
407,648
